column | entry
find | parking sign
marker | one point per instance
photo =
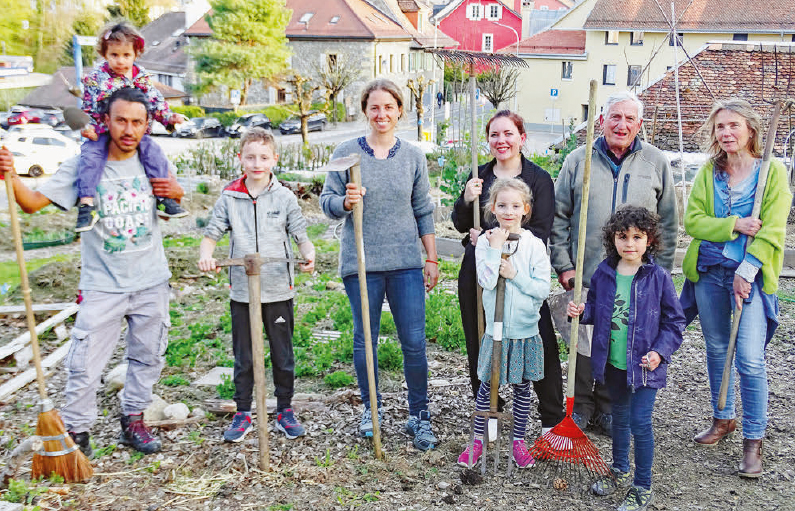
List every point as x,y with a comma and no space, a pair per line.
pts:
553,93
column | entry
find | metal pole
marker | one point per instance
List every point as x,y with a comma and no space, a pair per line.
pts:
434,88
679,110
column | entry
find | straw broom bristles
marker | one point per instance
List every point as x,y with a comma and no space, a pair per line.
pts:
61,455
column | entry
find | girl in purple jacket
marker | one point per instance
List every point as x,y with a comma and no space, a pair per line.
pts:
638,324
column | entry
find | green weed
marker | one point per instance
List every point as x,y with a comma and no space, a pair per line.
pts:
324,461
175,380
338,379
22,492
195,436
134,457
280,507
226,389
105,451
390,356
388,324
443,321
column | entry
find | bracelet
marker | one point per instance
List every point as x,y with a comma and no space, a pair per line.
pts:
432,262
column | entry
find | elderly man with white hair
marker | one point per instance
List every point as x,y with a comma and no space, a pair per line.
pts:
624,170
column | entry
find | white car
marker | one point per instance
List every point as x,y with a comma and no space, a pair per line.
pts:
39,151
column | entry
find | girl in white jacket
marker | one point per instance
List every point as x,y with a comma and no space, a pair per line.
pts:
527,273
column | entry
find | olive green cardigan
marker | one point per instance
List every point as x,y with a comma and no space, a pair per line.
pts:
767,245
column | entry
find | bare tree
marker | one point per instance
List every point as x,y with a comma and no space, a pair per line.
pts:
303,89
338,72
498,85
417,88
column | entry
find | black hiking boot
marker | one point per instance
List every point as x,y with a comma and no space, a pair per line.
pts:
135,434
87,217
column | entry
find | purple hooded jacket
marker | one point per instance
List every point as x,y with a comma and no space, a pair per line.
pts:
656,321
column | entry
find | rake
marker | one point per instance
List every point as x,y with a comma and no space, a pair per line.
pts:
572,453
496,362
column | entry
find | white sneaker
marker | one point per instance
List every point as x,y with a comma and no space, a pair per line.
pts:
544,431
492,430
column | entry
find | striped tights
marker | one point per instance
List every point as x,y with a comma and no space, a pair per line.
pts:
521,408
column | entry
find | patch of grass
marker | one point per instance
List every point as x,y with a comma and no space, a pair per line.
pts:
443,321
324,461
175,380
9,270
316,230
338,379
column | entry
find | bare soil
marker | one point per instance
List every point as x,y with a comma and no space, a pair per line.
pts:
333,469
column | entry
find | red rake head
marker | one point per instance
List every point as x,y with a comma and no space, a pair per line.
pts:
568,444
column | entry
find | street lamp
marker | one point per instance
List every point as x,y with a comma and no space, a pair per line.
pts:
515,84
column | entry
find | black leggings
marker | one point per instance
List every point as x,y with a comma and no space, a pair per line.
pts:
550,389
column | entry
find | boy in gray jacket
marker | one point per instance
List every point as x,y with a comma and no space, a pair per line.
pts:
261,215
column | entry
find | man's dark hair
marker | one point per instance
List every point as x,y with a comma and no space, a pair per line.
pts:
632,216
130,94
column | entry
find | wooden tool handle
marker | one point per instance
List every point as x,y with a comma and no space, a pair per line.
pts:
25,285
586,188
760,192
358,231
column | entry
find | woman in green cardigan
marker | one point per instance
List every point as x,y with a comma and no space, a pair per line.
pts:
723,272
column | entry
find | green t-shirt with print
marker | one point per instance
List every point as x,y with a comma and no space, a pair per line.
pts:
618,327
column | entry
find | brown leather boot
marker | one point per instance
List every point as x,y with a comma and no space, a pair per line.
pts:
751,465
720,428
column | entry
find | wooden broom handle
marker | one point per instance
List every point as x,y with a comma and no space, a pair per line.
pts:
23,277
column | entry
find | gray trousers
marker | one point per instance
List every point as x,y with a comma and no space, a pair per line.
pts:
94,338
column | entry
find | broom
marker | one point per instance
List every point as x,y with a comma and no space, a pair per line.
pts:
60,455
566,443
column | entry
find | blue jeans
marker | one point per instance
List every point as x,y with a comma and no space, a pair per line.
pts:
631,416
405,291
94,154
715,300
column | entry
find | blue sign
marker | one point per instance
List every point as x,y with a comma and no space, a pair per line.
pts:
553,93
477,93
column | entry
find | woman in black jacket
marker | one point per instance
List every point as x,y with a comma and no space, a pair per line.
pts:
506,136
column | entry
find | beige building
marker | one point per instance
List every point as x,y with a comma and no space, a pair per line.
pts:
626,45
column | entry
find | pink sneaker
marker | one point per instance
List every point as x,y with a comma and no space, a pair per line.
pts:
521,456
477,450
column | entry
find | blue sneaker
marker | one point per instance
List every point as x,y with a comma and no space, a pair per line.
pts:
604,424
366,423
287,424
579,420
420,429
241,425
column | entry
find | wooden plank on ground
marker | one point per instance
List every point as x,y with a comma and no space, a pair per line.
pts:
17,382
5,310
24,339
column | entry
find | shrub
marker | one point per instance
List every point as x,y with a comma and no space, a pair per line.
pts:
338,379
390,356
226,389
189,110
443,321
227,118
203,188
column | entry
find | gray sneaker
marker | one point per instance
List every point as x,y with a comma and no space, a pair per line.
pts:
637,499
609,484
420,429
366,424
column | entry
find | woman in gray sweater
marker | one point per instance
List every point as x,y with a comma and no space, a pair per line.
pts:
398,216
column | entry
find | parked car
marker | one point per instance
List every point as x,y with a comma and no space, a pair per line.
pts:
39,151
4,119
158,129
52,117
200,127
316,122
25,117
246,122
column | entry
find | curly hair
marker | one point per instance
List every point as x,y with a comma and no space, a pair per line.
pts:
632,216
517,185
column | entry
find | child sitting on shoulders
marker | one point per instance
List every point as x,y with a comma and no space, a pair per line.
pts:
638,325
119,44
527,272
261,216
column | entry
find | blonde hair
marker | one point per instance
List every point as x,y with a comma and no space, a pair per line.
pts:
752,120
258,134
386,86
503,184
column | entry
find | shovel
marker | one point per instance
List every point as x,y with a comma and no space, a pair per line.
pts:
252,263
340,165
496,363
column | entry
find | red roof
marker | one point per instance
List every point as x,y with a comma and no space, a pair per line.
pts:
201,28
733,16
340,18
553,42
